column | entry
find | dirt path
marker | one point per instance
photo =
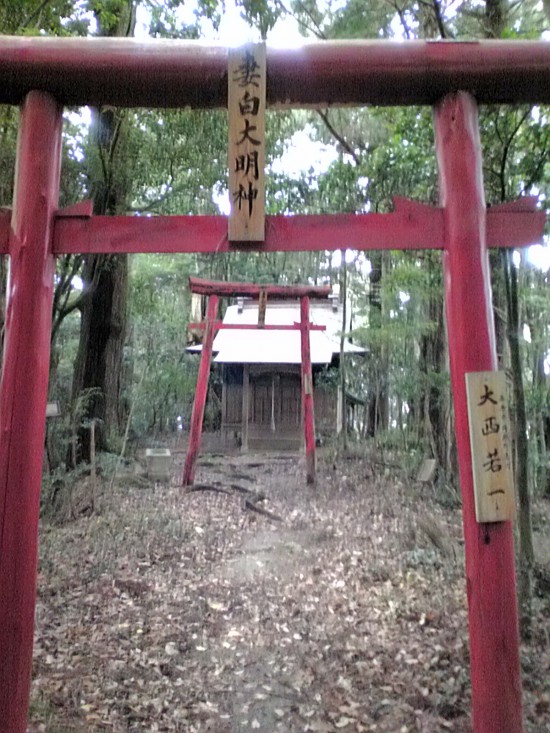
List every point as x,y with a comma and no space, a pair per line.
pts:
175,611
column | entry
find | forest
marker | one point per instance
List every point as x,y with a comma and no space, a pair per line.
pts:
147,596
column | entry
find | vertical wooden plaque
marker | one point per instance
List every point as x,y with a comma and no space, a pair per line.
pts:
246,117
491,446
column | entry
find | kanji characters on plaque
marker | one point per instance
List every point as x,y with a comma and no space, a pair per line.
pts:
246,106
491,446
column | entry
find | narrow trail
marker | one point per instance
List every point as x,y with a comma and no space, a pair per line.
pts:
189,611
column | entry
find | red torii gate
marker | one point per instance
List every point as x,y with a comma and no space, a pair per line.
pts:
42,74
213,290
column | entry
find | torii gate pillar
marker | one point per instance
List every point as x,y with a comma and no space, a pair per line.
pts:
307,391
201,392
23,394
490,575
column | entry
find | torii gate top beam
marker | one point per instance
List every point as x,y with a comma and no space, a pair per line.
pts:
253,290
130,73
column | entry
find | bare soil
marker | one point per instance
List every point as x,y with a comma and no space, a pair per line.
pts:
168,610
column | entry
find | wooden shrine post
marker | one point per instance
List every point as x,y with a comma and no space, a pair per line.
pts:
23,395
202,390
490,575
245,408
307,391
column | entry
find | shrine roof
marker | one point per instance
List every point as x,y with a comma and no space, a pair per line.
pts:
273,346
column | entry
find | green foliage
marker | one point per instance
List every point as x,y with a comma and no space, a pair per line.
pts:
8,137
393,334
358,19
29,17
261,14
109,14
404,164
160,309
516,144
176,159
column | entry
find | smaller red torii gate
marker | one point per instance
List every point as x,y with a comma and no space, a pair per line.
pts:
215,290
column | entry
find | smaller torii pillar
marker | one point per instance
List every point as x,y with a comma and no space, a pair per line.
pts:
199,403
215,290
307,390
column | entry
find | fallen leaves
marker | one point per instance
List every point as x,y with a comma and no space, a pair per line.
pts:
175,612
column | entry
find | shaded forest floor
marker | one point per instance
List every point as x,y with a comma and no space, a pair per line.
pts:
192,612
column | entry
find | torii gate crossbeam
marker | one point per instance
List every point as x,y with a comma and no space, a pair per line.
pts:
43,74
153,73
410,226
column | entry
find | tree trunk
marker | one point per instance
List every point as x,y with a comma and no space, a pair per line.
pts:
378,407
499,306
434,403
103,324
526,551
496,12
542,426
343,297
98,363
537,319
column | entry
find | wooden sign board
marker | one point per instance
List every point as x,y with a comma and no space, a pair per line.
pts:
246,117
491,446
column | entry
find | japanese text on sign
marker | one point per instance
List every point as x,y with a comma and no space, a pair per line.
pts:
246,106
491,446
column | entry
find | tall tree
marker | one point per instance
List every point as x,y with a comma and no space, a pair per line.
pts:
507,126
30,17
103,325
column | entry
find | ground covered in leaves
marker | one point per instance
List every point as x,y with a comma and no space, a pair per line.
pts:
168,610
